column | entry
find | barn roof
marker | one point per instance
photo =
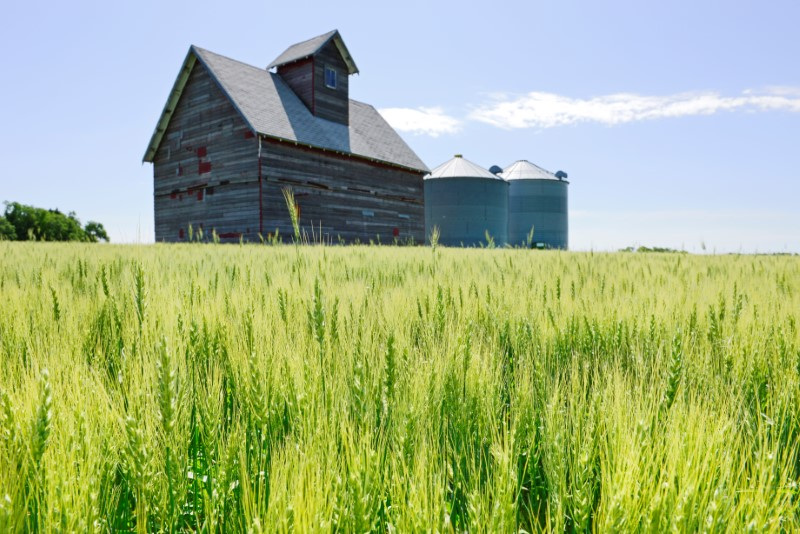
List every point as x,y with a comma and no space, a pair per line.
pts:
300,51
271,108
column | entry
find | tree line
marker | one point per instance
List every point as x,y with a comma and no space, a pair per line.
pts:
21,222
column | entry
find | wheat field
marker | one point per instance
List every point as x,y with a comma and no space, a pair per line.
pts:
228,388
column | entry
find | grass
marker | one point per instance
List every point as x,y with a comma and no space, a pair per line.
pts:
309,388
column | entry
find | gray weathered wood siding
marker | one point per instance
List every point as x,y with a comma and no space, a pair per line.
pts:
331,104
206,168
299,76
348,197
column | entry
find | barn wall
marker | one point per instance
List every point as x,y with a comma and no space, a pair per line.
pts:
348,197
331,104
299,76
206,169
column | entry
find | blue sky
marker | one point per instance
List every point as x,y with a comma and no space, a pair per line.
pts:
678,122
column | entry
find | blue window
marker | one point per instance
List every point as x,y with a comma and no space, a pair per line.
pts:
330,78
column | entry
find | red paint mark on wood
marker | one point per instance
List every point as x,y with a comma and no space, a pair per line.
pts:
173,196
396,232
201,152
249,134
229,235
180,233
200,196
203,167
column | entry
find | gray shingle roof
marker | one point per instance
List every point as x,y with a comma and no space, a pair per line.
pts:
308,48
271,108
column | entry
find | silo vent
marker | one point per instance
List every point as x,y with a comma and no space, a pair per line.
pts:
495,169
457,156
561,175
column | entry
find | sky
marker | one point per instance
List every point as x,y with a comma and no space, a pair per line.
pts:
677,122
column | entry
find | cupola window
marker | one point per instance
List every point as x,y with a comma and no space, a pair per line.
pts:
330,78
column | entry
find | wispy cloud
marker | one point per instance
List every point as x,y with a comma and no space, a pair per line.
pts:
548,110
422,121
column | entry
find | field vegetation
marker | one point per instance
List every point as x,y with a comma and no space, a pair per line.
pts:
227,388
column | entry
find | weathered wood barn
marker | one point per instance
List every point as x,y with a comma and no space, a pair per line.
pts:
232,136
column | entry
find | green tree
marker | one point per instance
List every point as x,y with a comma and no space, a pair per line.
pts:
30,222
95,232
7,231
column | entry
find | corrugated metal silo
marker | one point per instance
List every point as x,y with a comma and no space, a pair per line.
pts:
536,199
464,201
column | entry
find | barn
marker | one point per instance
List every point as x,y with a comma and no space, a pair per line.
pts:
233,136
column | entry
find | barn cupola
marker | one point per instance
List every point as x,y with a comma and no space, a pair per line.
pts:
317,70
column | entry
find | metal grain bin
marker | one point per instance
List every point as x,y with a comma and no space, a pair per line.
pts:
465,201
536,199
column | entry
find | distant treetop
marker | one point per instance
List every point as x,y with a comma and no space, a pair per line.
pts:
28,223
652,249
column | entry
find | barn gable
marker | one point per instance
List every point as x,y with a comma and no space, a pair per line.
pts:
205,171
172,103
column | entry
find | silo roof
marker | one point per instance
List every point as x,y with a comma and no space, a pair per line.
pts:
525,170
459,167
